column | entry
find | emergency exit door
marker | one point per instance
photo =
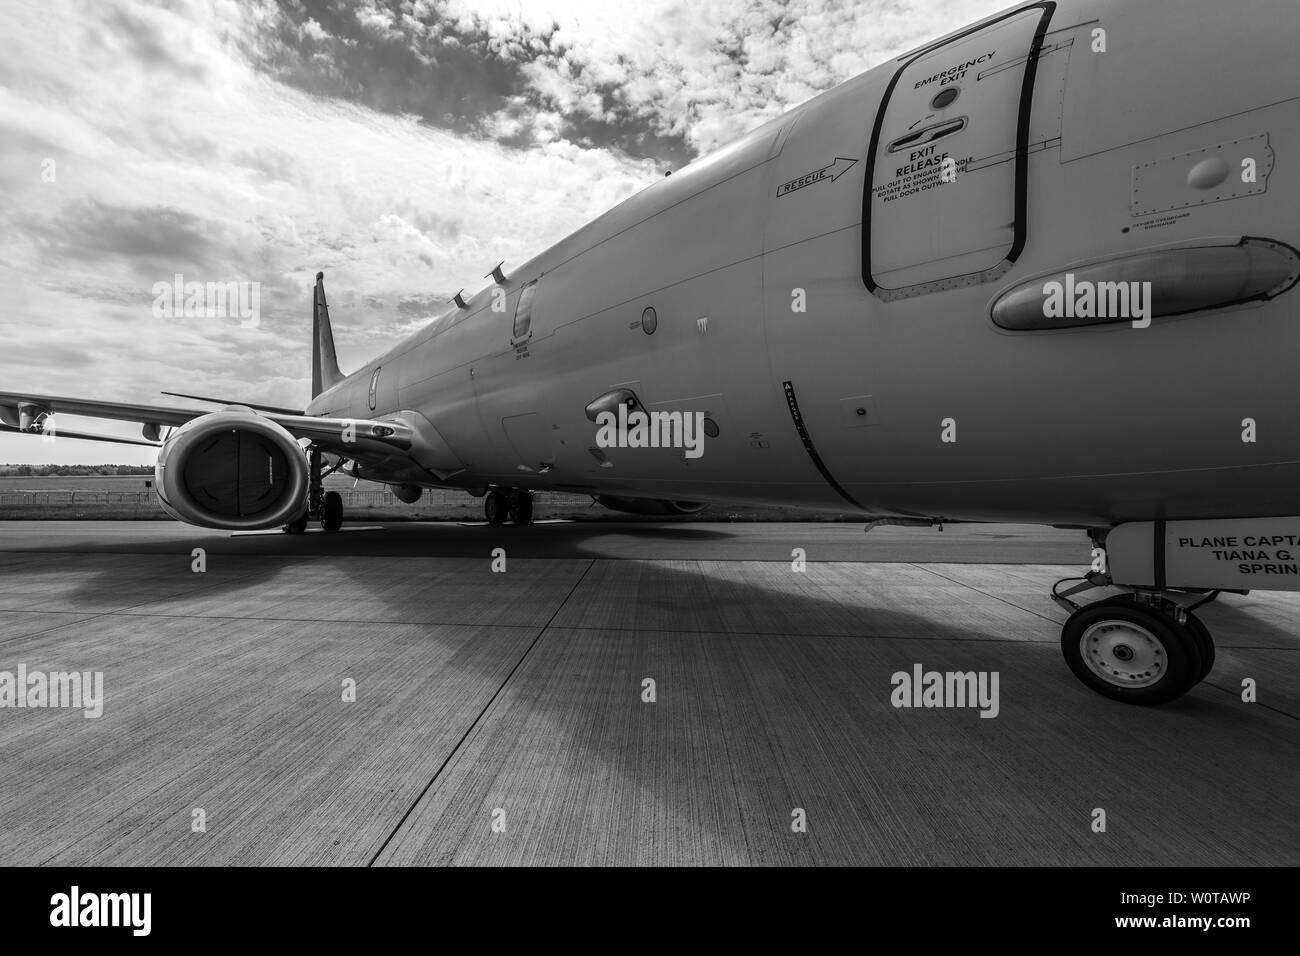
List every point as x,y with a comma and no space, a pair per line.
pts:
944,204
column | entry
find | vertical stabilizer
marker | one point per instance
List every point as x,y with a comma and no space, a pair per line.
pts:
325,372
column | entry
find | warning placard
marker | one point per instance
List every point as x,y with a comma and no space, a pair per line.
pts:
925,169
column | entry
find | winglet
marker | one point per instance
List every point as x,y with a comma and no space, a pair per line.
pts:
325,372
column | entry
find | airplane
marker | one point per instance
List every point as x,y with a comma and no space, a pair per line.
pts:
1039,270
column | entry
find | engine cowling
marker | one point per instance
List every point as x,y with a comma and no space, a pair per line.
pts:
233,470
650,506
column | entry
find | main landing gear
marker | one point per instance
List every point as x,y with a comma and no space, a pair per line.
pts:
323,506
502,504
1145,647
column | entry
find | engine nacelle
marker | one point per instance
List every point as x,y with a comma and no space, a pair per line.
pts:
650,506
232,470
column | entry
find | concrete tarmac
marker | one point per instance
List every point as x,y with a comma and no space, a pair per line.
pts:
500,716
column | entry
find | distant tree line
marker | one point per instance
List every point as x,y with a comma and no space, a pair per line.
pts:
66,471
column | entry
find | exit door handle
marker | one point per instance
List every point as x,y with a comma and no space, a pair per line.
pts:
929,134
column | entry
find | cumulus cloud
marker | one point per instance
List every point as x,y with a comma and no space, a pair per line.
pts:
661,72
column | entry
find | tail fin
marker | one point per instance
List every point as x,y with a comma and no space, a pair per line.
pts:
325,372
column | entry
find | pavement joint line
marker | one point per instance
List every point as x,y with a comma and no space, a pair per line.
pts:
128,612
1235,693
724,632
985,593
290,620
94,616
482,713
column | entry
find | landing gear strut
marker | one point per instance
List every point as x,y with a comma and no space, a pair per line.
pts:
324,506
502,503
1145,647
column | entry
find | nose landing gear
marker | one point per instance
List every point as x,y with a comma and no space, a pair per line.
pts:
1140,648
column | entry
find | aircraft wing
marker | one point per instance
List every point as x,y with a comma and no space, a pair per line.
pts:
115,411
84,436
24,412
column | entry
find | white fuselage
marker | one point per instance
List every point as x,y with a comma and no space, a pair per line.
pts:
823,292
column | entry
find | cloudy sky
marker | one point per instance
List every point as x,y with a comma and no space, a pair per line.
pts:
402,146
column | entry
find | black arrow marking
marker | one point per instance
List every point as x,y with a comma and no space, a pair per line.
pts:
832,172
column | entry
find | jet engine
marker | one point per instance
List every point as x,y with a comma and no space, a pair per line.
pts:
650,506
232,470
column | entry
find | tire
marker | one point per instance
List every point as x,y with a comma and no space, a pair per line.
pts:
1204,643
496,507
1128,652
297,526
522,508
332,516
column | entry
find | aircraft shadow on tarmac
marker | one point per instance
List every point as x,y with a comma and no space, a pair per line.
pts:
789,678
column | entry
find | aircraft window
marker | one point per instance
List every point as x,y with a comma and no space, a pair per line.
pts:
649,320
374,389
929,134
524,310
